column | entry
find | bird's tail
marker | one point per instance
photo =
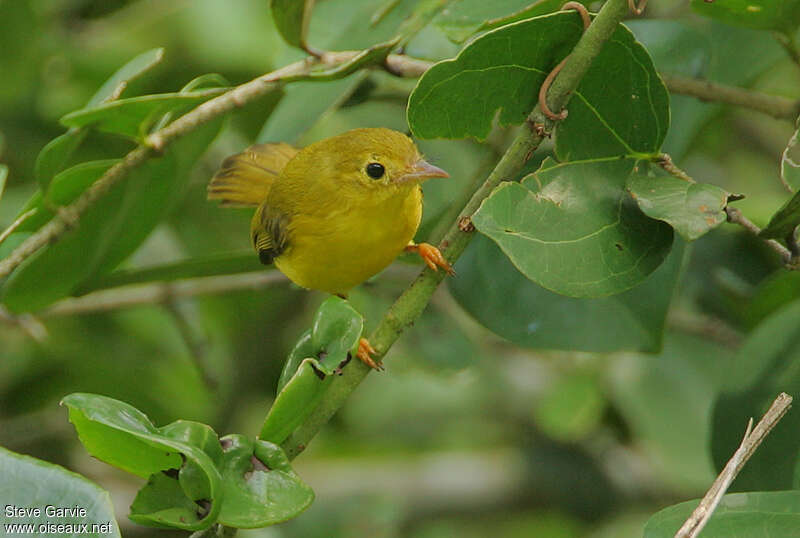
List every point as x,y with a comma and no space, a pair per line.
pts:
244,179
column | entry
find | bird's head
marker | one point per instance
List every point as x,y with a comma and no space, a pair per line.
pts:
375,158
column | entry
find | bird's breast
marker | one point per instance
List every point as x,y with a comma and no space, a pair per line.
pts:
338,249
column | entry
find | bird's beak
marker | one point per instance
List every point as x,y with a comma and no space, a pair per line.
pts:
422,170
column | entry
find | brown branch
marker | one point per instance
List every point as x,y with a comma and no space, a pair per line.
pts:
160,292
16,224
665,161
778,107
735,216
752,439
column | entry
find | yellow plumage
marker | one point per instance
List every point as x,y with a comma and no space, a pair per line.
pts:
334,213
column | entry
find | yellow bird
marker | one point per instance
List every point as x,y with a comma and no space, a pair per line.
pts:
335,213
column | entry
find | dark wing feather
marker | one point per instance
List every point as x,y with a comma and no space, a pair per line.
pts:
270,236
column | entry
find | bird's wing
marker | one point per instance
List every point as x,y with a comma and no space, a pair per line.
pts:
270,237
244,179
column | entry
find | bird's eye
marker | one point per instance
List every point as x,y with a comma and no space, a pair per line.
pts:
375,170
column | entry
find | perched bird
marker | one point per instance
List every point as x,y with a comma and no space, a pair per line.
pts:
333,214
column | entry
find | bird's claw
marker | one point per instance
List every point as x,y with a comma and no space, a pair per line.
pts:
365,352
432,257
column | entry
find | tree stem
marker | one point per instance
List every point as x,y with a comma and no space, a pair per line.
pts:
778,107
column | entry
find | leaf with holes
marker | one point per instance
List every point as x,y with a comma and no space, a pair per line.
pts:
329,344
260,486
692,209
573,229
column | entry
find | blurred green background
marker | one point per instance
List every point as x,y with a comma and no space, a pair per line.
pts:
466,434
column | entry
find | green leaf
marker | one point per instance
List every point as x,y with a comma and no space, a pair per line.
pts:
328,345
739,515
298,397
133,117
772,293
538,318
260,486
370,56
335,332
64,189
621,106
30,483
790,168
692,209
292,18
573,229
111,229
782,15
121,435
502,69
54,156
784,221
127,73
464,18
764,366
163,503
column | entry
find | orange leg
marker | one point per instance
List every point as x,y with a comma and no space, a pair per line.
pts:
431,256
364,354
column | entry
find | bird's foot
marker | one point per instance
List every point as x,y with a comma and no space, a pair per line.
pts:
431,256
364,354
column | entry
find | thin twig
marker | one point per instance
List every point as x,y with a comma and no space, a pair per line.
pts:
778,107
752,439
705,326
16,224
789,44
158,292
665,161
27,322
637,9
735,216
